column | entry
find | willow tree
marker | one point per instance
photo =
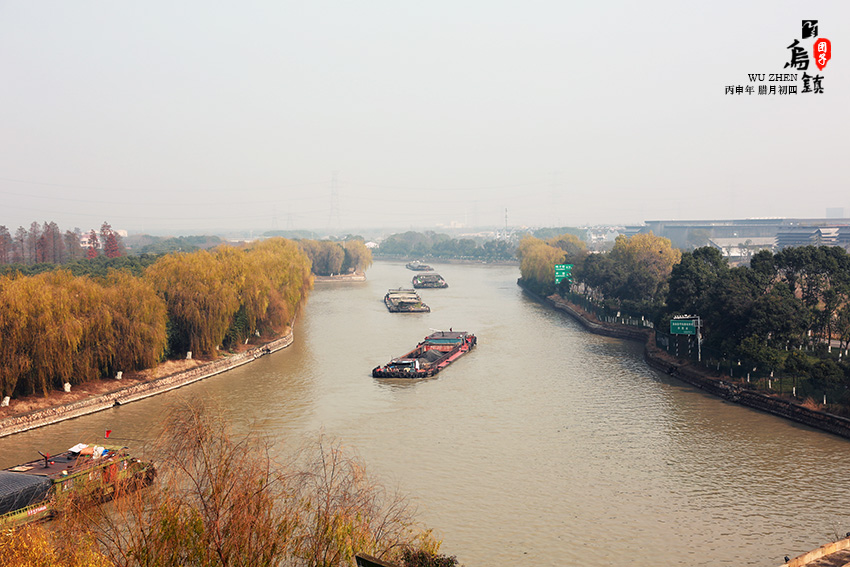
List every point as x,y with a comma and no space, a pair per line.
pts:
85,299
200,297
288,268
138,321
357,256
649,261
41,333
537,264
14,319
327,257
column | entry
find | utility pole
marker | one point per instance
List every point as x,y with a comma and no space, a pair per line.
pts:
333,215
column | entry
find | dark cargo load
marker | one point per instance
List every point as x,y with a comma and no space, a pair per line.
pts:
20,490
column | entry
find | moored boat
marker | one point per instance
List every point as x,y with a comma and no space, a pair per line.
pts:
429,281
430,356
89,473
405,301
418,266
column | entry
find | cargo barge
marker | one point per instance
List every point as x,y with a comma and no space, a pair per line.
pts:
433,354
405,301
88,474
429,281
418,266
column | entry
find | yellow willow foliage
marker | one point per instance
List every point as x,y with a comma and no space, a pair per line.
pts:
569,243
253,284
326,256
654,254
56,328
138,321
290,276
14,318
35,546
200,295
538,259
359,256
86,301
48,329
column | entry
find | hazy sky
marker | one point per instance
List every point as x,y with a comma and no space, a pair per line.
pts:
202,115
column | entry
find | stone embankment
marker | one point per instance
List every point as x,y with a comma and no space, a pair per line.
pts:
355,277
40,418
721,386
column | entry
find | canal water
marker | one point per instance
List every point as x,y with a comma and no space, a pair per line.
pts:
546,445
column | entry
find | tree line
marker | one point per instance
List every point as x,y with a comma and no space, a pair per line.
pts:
780,313
330,258
58,327
48,244
431,244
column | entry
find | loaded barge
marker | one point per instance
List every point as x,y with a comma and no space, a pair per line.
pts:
89,474
429,281
405,301
434,353
418,266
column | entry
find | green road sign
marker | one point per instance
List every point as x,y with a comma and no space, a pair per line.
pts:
683,327
563,272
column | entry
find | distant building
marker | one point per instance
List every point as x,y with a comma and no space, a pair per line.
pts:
737,250
807,236
787,231
85,241
600,235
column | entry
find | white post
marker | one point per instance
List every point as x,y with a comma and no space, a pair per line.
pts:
5,402
699,341
119,374
189,355
67,386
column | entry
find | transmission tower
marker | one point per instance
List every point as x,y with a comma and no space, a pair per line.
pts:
333,215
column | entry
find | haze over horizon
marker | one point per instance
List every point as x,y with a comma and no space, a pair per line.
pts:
326,115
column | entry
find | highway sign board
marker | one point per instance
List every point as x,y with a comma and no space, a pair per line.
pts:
683,327
563,272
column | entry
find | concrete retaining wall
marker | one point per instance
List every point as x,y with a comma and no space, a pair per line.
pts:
696,376
40,418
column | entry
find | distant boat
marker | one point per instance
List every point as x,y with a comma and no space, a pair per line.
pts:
418,266
433,354
429,281
405,301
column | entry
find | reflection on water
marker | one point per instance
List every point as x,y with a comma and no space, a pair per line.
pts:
545,445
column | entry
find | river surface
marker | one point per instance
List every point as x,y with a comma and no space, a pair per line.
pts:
546,445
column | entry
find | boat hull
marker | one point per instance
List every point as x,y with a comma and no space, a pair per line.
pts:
430,356
37,490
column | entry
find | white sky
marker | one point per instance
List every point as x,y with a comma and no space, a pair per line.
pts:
205,116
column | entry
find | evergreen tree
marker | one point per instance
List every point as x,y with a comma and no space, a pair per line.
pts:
6,245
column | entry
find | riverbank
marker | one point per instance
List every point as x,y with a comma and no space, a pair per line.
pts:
721,386
355,277
38,411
